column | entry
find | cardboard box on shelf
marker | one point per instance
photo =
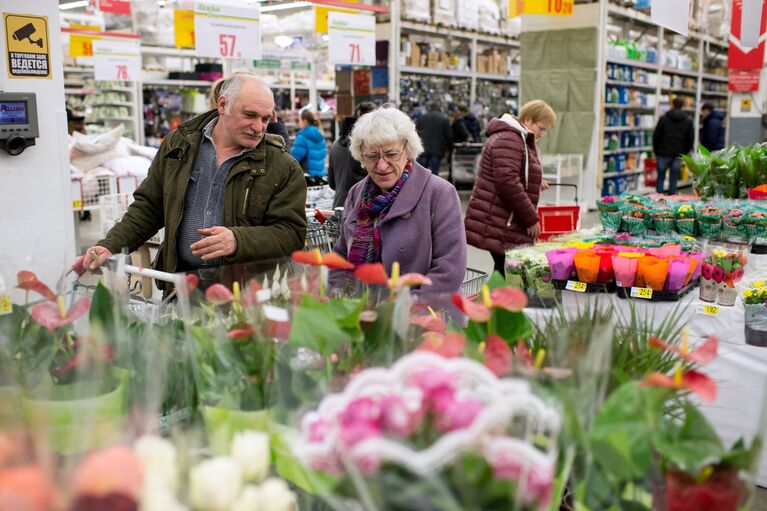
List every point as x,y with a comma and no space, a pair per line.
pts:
344,106
481,64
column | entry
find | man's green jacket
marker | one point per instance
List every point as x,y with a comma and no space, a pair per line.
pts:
264,200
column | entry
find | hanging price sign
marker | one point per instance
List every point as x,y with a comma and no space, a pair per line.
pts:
183,26
352,39
116,60
548,7
574,285
227,29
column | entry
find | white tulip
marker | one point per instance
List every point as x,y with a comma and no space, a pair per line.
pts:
250,500
215,484
275,495
159,459
250,450
158,497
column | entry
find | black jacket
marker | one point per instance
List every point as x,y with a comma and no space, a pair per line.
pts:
435,132
278,128
343,171
674,135
472,124
712,131
460,132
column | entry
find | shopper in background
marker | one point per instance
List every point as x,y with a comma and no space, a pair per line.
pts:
343,170
460,131
310,147
471,122
712,128
502,208
225,191
400,211
674,135
437,136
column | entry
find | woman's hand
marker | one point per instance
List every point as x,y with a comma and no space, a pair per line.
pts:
534,231
545,185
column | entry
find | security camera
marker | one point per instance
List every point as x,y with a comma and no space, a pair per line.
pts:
26,32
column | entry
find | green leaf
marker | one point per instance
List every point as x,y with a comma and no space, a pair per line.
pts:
512,326
742,458
315,327
102,312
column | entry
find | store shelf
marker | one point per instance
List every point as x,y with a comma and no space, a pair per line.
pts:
715,78
634,85
631,14
435,72
74,83
76,69
109,118
624,173
499,78
679,90
178,83
713,93
628,150
79,92
628,107
414,26
112,103
115,89
626,128
634,63
681,72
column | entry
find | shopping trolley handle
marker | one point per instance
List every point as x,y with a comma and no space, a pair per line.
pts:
568,185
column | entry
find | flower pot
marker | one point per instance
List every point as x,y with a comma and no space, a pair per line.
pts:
726,295
652,272
587,266
67,424
561,262
685,226
663,225
698,256
10,404
635,226
679,269
221,424
722,491
625,269
708,289
611,220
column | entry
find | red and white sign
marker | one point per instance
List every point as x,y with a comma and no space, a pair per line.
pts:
352,39
739,57
227,29
115,6
116,60
741,80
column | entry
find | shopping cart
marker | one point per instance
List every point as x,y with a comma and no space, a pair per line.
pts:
557,219
473,282
465,163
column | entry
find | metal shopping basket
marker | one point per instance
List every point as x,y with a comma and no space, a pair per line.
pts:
557,219
473,282
464,163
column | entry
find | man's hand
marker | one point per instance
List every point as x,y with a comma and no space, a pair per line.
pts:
534,231
545,185
218,242
93,259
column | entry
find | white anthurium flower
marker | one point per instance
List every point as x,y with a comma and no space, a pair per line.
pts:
275,495
252,453
215,484
156,496
284,288
159,459
250,499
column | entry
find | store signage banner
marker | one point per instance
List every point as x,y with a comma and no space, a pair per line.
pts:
671,14
750,26
321,16
227,29
740,56
183,26
116,60
740,80
352,39
541,7
115,6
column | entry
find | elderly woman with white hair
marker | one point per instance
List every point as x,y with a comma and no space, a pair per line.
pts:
401,212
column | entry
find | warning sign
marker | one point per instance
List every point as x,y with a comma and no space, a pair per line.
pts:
26,38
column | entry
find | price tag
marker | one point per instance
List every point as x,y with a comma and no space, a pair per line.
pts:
77,204
5,304
276,313
227,29
352,39
578,287
116,60
549,7
708,310
183,25
641,292
263,295
81,45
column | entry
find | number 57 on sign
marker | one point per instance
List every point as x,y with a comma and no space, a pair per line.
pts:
352,39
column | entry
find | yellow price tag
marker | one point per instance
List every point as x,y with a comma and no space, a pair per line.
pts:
5,304
641,292
549,7
321,16
77,204
708,310
574,285
183,24
82,45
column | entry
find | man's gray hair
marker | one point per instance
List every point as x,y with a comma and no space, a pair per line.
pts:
232,85
383,126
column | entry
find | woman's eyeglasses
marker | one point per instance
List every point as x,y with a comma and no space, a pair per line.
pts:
388,156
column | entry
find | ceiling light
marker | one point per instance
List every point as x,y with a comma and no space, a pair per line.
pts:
74,5
282,7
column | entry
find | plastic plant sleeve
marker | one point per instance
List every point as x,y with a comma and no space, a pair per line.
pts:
561,262
587,266
653,272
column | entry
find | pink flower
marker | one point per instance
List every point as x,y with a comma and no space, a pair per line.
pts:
497,355
28,281
117,470
458,414
363,409
430,323
540,482
52,316
354,432
368,463
448,346
219,294
396,418
318,430
431,379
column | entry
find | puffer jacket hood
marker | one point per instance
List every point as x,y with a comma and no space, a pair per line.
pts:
509,122
313,133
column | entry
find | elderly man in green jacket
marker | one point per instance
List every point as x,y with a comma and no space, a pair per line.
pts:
225,190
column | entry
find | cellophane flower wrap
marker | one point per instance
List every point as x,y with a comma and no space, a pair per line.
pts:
561,262
610,212
652,272
756,222
636,219
709,221
754,299
728,262
733,223
434,433
685,219
625,266
663,219
587,264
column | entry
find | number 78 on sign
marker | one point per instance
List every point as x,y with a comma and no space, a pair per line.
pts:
351,39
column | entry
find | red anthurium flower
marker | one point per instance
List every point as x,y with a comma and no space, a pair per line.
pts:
87,355
372,273
53,316
430,322
693,381
414,279
523,355
192,281
219,294
240,333
497,355
701,355
316,258
448,346
28,281
510,299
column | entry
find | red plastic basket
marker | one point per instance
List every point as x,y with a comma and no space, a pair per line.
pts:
556,220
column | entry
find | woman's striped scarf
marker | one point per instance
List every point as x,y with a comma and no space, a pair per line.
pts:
366,243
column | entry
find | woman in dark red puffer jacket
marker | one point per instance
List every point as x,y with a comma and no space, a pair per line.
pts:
502,209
